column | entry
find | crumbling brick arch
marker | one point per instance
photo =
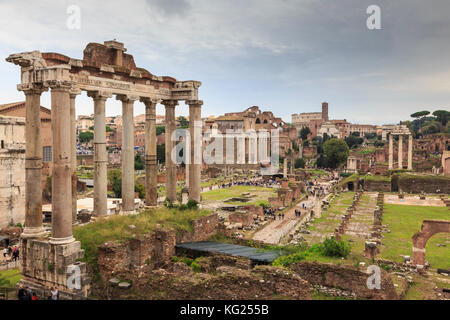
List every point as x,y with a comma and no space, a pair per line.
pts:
429,228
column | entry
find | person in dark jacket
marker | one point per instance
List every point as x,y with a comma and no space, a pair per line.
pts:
21,294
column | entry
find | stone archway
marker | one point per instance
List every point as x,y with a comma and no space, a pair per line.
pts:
429,228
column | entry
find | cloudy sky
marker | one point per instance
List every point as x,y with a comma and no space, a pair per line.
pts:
287,56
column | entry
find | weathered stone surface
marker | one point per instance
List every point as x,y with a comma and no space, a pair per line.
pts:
344,278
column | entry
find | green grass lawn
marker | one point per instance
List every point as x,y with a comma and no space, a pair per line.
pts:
404,221
236,191
9,278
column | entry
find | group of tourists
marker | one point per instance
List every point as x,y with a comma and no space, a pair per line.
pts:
28,294
11,253
270,213
298,213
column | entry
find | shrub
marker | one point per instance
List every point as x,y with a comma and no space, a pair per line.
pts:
192,205
195,266
333,248
168,203
285,261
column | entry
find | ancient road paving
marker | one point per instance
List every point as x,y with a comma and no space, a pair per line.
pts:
276,230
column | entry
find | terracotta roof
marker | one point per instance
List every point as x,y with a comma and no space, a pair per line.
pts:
21,104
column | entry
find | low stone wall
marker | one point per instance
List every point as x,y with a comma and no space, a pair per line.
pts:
202,229
244,218
152,249
148,249
427,184
371,185
344,278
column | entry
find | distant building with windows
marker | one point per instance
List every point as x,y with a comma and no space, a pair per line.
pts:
17,109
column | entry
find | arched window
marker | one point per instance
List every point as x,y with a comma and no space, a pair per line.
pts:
258,121
265,120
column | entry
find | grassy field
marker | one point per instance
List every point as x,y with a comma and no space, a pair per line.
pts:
9,278
236,191
403,222
117,228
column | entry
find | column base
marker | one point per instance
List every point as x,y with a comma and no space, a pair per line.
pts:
44,265
33,232
126,213
60,241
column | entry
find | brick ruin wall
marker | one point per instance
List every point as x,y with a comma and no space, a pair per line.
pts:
151,249
344,278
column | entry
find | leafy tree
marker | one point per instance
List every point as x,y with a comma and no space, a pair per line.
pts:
299,163
355,134
370,135
109,129
420,114
161,153
306,143
432,127
304,133
86,136
138,162
183,121
322,161
353,141
160,129
378,143
140,189
115,179
442,116
295,146
336,151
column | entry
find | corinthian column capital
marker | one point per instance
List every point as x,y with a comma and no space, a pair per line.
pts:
169,103
99,95
126,98
32,89
150,102
194,102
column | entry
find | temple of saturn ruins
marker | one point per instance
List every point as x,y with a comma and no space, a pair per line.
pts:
400,131
105,70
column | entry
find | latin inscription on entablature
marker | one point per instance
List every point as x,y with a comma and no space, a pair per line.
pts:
104,84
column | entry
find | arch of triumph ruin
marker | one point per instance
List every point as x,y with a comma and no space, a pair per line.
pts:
105,70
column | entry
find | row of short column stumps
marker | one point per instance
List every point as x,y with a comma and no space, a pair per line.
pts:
347,216
371,246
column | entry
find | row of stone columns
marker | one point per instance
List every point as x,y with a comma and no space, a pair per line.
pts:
400,151
64,193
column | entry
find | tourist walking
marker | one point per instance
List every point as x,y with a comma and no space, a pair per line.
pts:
5,252
54,294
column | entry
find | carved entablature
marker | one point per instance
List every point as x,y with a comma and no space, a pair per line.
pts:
104,67
186,90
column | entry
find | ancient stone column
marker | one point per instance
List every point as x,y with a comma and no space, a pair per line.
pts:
391,152
410,151
400,151
62,165
127,153
100,154
195,165
151,168
73,156
285,168
171,174
33,164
